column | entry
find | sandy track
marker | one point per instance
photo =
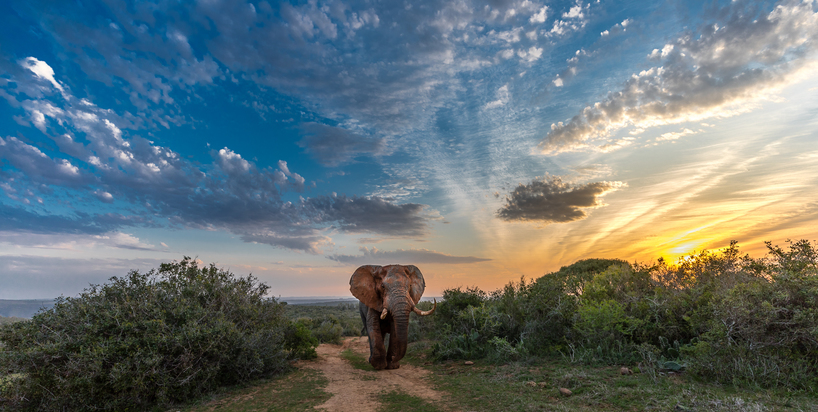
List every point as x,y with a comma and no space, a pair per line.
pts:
357,390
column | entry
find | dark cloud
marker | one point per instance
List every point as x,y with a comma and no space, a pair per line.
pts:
553,201
712,73
19,219
410,256
34,163
332,146
302,243
368,215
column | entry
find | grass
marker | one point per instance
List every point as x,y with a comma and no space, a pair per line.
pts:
490,387
395,401
301,390
357,360
535,386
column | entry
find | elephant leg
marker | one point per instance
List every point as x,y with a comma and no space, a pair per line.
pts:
377,351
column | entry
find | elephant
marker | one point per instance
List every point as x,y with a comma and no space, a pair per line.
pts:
387,294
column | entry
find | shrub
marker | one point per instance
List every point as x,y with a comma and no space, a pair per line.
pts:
148,339
764,331
300,341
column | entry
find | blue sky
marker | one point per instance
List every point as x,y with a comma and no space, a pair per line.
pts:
480,141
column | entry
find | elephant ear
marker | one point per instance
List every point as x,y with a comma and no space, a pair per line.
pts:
365,285
416,283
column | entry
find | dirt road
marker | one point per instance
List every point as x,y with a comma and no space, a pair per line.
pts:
357,390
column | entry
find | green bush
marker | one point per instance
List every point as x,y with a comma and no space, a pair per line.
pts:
300,341
720,315
148,339
765,331
328,323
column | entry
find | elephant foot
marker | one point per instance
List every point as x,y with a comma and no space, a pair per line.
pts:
378,364
393,365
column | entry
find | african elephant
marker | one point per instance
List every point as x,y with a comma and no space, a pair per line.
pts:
387,295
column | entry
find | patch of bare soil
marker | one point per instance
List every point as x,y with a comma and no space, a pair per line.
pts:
357,390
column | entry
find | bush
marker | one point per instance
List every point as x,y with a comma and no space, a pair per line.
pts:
148,339
765,331
328,323
724,316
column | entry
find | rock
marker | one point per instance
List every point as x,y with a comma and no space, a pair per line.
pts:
625,371
531,383
542,384
565,392
468,362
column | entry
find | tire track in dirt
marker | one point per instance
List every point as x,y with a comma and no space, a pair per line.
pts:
355,390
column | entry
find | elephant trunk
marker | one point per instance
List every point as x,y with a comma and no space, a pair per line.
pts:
400,314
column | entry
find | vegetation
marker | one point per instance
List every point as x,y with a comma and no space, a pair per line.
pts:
328,324
5,320
716,331
721,316
148,339
533,385
301,390
395,401
356,360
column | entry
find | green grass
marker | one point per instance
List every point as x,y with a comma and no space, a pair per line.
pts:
488,387
301,390
398,402
535,386
357,360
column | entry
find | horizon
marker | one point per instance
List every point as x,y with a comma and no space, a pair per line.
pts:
480,141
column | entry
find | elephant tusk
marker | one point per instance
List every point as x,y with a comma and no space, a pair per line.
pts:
383,314
425,312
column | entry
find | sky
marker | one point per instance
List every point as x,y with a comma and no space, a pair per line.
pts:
482,141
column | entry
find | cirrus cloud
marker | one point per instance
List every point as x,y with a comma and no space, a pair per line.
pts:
718,72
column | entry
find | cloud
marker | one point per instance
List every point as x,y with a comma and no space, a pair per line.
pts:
540,15
36,164
159,187
42,70
553,201
19,219
333,146
717,72
674,135
408,256
502,98
369,215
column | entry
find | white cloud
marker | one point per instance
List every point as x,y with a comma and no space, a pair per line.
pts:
717,74
674,135
502,94
510,36
531,55
574,13
540,16
42,70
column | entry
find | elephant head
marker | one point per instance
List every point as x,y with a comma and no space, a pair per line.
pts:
390,292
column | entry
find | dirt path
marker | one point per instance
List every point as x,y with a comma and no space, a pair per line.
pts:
357,390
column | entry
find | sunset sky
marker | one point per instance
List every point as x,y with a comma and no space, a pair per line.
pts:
480,141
